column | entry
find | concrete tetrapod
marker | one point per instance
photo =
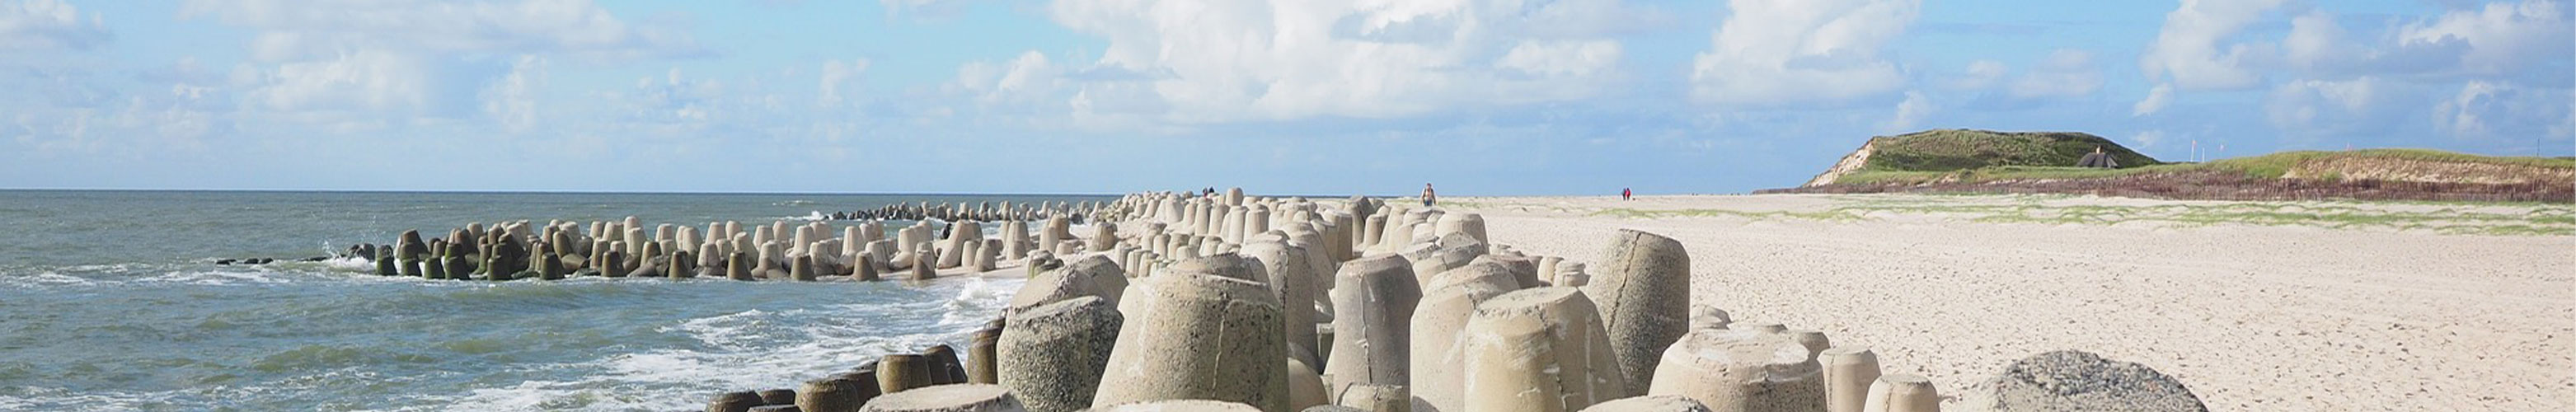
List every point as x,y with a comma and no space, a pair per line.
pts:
1741,370
1469,223
1198,335
1305,387
1644,296
1179,405
960,235
981,353
924,259
1290,271
1373,301
1902,393
832,395
734,402
1539,349
778,397
1437,380
1053,354
1376,398
1092,276
1663,403
903,371
944,365
1848,370
962,397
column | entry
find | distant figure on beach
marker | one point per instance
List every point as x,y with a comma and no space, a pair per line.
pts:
1624,194
1427,196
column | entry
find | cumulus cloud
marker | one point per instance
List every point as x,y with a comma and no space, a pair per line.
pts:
366,64
935,9
673,99
391,83
2065,73
2500,38
1980,75
2156,100
1030,78
48,24
1209,62
2319,107
2148,139
1775,53
512,101
288,30
2493,110
1910,112
2356,83
837,75
2194,51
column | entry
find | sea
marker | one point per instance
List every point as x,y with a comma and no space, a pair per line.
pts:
115,301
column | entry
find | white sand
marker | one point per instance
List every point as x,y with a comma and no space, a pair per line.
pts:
2250,317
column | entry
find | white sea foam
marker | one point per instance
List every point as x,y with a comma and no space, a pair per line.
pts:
746,350
46,278
350,263
218,277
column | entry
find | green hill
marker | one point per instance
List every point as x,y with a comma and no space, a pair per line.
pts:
1994,162
1952,150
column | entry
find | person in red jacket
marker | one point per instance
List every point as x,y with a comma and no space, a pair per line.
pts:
1624,194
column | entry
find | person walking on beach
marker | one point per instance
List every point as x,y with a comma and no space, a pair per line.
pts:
1624,194
1427,196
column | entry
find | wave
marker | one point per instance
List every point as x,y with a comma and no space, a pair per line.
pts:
751,349
365,342
218,278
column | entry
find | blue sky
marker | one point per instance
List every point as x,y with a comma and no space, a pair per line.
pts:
1296,96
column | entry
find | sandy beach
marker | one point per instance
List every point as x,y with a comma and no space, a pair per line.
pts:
2256,306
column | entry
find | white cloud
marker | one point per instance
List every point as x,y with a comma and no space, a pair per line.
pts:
2318,107
2148,139
837,75
1980,75
48,24
370,80
2492,110
673,99
1576,59
1772,53
1910,112
2501,37
364,65
1030,78
289,30
2156,100
923,8
2526,40
513,100
1211,62
2065,73
2187,51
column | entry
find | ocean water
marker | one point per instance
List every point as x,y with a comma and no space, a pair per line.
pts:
112,301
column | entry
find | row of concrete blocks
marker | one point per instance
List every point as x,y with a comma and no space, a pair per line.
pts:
1235,217
1195,332
561,249
1510,337
983,211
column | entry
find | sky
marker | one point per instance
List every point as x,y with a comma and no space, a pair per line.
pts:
1496,97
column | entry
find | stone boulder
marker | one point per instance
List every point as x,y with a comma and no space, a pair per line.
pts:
2069,380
